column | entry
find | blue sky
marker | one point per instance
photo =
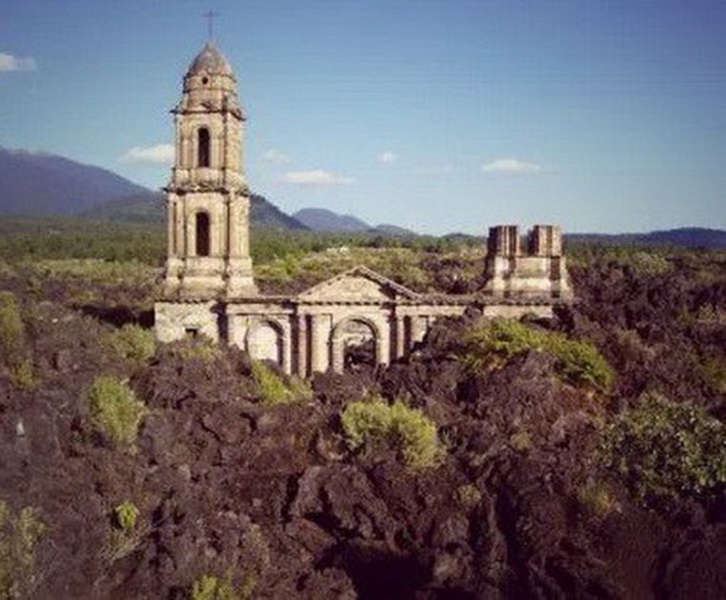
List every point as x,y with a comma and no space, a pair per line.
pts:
440,116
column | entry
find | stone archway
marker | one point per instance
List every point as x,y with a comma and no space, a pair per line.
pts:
265,341
355,341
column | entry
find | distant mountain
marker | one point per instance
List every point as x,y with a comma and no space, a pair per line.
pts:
37,183
148,207
265,214
321,219
394,230
692,237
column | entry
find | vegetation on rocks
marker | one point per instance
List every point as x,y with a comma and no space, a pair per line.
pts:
412,432
272,503
133,342
278,389
115,410
210,587
19,535
200,348
666,449
15,358
494,342
126,515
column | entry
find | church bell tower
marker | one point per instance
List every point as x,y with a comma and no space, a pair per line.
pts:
208,200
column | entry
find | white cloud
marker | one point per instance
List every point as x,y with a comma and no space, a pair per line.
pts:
161,154
276,156
387,157
511,166
316,177
8,62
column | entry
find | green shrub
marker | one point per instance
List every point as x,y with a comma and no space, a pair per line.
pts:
665,449
597,499
209,587
115,410
133,342
200,348
412,431
520,441
12,330
126,515
494,342
468,495
22,374
19,536
274,390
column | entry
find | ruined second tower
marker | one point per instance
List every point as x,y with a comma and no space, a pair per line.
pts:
208,200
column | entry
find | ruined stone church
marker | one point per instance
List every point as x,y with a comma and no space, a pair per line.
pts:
209,286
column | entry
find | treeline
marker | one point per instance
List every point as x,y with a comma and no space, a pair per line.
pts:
26,239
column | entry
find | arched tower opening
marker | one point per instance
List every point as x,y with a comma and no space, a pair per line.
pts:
202,231
203,149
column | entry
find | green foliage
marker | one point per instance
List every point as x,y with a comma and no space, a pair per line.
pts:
521,441
22,375
713,371
115,410
12,330
19,536
273,388
13,351
647,263
200,348
494,342
410,429
126,515
132,342
667,449
209,587
597,499
468,495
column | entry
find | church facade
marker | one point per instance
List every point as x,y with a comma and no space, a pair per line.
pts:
209,286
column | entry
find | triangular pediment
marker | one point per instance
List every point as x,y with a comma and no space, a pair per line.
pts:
359,284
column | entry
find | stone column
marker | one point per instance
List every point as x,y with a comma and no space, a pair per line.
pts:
318,345
302,345
287,342
400,322
171,249
243,225
386,330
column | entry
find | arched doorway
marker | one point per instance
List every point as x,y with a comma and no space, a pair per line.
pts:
355,345
202,234
203,153
264,342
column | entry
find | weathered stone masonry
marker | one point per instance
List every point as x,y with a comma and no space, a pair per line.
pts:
209,282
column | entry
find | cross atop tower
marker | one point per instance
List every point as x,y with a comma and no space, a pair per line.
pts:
209,15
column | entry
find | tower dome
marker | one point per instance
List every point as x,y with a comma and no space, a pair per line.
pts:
211,61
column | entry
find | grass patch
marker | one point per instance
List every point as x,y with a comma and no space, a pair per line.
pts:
115,410
491,344
210,587
126,514
201,348
413,433
133,343
468,495
19,535
667,449
273,388
14,355
597,499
